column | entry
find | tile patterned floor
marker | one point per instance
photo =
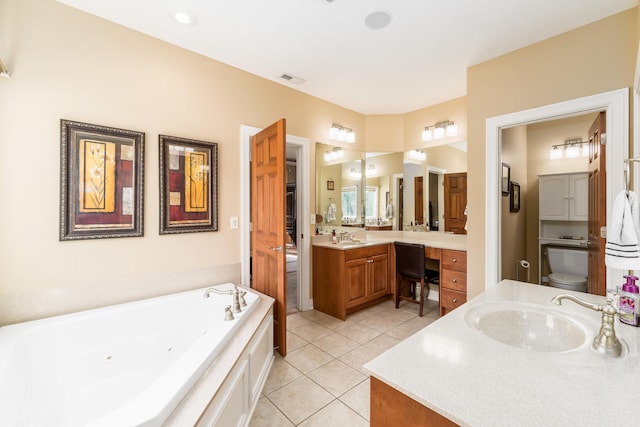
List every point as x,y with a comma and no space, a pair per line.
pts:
321,381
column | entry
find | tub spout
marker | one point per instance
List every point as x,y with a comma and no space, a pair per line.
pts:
606,341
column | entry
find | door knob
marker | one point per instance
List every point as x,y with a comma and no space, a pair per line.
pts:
276,249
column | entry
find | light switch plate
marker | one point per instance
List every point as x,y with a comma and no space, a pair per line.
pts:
312,218
234,222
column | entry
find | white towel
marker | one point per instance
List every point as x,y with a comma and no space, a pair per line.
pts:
389,211
331,212
622,249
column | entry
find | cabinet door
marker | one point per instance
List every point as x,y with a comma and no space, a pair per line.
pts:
356,281
554,191
579,197
378,275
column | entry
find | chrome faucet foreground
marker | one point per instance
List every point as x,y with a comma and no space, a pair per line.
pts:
606,341
235,294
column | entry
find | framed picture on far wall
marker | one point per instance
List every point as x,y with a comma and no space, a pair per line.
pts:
188,185
506,179
100,181
514,199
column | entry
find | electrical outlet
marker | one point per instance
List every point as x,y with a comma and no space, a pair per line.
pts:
234,222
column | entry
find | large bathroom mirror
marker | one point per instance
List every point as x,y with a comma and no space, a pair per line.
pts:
383,177
434,189
339,183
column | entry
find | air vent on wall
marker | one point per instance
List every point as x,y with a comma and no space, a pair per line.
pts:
292,79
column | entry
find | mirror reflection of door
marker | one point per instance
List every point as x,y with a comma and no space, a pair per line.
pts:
455,202
418,199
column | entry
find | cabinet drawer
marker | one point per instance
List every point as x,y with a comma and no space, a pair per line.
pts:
366,252
456,280
454,260
432,253
451,299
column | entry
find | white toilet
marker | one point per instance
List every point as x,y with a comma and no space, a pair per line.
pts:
569,268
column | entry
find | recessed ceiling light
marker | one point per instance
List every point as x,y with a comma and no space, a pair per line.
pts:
378,20
184,17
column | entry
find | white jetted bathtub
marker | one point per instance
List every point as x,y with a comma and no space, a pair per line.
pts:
124,365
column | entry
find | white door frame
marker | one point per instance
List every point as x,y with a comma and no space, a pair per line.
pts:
304,244
616,105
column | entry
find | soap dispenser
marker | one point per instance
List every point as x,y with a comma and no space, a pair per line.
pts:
629,301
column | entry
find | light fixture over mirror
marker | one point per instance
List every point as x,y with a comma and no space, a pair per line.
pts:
341,133
570,149
3,71
333,154
440,129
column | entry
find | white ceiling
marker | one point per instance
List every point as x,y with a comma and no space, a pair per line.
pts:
419,60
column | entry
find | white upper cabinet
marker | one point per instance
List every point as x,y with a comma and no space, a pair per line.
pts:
564,197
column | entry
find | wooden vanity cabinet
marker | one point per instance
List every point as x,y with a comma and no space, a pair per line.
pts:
345,281
453,280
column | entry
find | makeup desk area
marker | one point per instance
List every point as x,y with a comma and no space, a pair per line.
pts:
355,273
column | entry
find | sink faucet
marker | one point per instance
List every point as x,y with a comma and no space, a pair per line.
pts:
235,294
606,341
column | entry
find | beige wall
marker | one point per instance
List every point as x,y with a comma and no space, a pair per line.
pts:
593,59
68,64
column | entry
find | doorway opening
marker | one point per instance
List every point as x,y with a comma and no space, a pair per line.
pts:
292,227
303,244
616,106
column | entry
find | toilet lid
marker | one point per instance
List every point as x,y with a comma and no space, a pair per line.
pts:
568,279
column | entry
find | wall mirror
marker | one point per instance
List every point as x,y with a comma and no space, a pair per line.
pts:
339,183
434,189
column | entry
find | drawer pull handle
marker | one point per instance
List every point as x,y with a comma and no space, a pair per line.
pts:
455,280
454,260
455,300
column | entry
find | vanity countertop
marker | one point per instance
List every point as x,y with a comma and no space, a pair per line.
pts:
473,380
431,239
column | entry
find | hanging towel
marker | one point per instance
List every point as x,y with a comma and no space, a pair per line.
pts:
389,211
331,212
466,211
622,249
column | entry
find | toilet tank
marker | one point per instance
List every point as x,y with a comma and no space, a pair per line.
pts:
568,260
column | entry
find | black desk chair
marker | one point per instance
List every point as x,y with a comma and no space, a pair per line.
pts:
410,269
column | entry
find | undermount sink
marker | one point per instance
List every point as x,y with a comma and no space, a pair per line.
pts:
528,327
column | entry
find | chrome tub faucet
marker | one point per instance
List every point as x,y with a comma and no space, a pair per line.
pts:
606,341
235,294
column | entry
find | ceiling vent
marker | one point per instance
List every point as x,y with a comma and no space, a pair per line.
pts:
292,79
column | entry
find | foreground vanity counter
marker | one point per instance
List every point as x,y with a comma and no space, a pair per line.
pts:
451,373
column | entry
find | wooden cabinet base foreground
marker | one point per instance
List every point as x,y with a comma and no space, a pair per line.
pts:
390,408
345,281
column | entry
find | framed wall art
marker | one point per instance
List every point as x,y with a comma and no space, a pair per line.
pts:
506,179
188,185
101,184
514,199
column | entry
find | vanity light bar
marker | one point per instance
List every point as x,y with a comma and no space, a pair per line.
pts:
440,129
341,133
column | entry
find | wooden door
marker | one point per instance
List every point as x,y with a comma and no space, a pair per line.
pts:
268,225
597,206
400,204
418,199
455,202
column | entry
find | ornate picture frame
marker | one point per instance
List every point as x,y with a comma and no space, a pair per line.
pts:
101,181
506,179
514,198
188,185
